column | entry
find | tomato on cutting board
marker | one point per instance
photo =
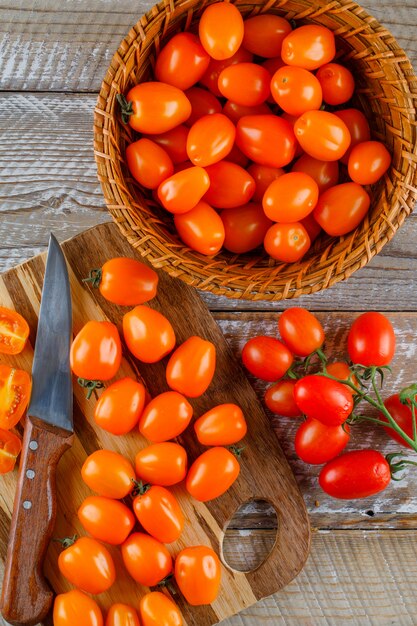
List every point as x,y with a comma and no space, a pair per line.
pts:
14,331
158,512
191,367
198,574
146,559
212,474
96,352
75,607
165,417
108,473
87,564
15,388
162,464
157,609
10,447
106,519
120,406
149,335
222,425
122,615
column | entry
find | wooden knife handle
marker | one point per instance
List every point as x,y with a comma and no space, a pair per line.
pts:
26,597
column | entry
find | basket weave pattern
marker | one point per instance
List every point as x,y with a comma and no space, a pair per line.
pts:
386,91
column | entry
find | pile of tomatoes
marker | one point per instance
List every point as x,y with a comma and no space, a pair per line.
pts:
229,108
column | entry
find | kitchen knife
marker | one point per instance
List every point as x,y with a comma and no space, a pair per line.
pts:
26,597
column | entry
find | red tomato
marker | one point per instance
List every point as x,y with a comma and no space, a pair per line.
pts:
14,331
323,399
15,389
292,119
402,415
210,139
230,185
159,513
221,30
356,474
212,474
156,609
182,61
309,47
266,358
120,406
203,102
148,163
148,334
122,615
322,135
296,90
325,173
336,82
273,65
109,474
280,399
341,208
235,111
301,331
368,162
201,229
10,447
125,281
106,519
316,443
146,559
211,77
291,197
358,128
237,156
162,464
264,34
221,426
155,108
311,226
182,191
96,352
174,142
371,340
245,227
246,84
165,417
198,575
75,607
191,367
87,565
266,139
287,242
263,177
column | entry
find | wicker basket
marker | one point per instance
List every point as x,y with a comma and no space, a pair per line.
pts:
386,91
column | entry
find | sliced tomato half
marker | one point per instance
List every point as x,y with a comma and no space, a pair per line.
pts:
10,447
15,387
14,331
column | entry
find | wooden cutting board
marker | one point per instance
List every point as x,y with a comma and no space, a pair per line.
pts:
265,472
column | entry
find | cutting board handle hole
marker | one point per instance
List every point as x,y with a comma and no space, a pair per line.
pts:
254,527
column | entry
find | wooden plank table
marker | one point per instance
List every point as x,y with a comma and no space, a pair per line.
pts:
363,565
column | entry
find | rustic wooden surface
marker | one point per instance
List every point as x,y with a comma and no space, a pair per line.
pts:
362,569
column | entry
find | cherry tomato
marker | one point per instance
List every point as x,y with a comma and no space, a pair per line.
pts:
325,173
148,334
235,111
341,208
341,370
371,340
201,229
212,474
108,473
301,331
146,559
292,119
322,135
221,426
311,226
266,358
309,47
74,607
165,417
356,474
15,388
155,108
236,156
291,197
156,609
323,399
287,242
122,615
336,82
125,281
120,406
159,513
263,177
210,139
14,331
368,162
96,352
191,367
203,102
316,443
182,191
221,30
211,77
266,139
230,185
174,142
148,163
162,464
402,415
264,34
87,565
182,61
106,519
10,447
296,90
245,227
246,84
358,128
279,399
198,575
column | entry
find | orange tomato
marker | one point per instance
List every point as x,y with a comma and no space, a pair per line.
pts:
174,142
266,139
159,513
291,197
122,615
106,519
109,474
358,128
210,139
155,108
165,417
10,447
211,77
266,358
245,227
263,177
162,464
292,119
336,82
96,352
322,135
246,84
212,474
221,30
301,331
148,163
182,191
325,173
235,111
312,227
15,388
296,90
156,609
341,370
230,185
201,229
146,559
309,47
148,334
203,102
191,367
87,565
120,406
221,426
264,34
14,331
198,575
368,162
340,209
279,399
74,607
182,61
287,242
125,281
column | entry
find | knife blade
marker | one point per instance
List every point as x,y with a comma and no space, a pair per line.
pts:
26,597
